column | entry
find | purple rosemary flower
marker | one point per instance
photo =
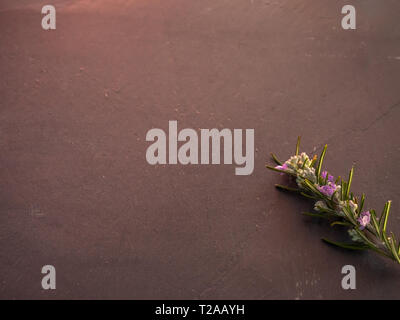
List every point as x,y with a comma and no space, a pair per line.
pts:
364,219
282,167
328,189
330,177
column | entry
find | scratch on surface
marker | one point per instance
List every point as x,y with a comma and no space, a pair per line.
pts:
363,129
381,116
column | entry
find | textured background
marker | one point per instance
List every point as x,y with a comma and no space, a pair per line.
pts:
76,103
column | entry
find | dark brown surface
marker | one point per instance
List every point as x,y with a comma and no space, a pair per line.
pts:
76,103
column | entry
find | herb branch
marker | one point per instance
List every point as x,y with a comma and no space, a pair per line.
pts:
334,201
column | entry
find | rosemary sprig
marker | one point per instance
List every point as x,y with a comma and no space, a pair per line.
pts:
334,201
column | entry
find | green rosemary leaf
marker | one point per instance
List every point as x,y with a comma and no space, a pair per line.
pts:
318,215
398,245
364,237
349,182
372,245
298,145
386,240
308,196
349,215
349,211
344,191
312,186
375,223
309,186
321,159
384,217
393,249
281,187
393,237
277,161
398,249
361,206
393,245
327,210
381,218
341,223
346,245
